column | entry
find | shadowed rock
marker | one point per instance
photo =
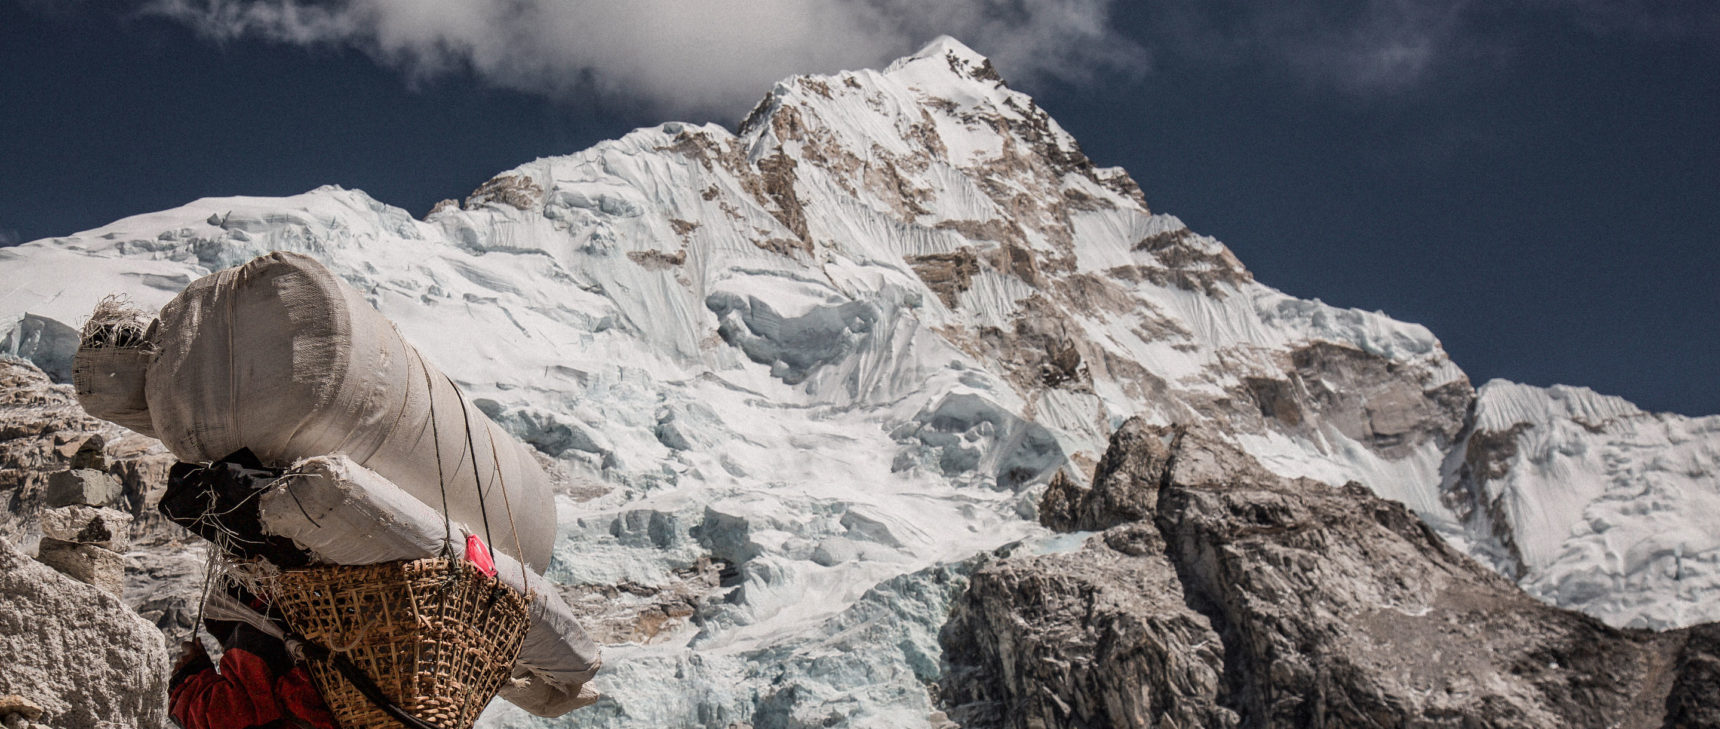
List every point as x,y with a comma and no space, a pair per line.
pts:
1306,606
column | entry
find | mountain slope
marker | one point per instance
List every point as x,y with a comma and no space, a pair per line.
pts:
791,378
1215,594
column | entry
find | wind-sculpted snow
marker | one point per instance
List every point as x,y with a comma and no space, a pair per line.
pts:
791,377
1596,504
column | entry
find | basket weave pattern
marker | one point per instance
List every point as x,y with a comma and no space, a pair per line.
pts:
437,637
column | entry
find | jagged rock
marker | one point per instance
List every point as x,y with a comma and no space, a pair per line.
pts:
1335,609
1098,637
1125,485
78,652
1694,701
43,431
95,526
13,705
81,486
101,568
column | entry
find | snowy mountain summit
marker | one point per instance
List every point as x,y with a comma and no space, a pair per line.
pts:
794,378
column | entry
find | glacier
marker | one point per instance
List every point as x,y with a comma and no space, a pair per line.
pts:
792,379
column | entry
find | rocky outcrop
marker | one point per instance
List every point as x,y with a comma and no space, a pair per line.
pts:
54,454
1220,594
1100,636
77,652
44,432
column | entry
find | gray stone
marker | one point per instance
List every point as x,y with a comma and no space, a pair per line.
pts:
1097,637
78,652
81,486
92,525
101,568
1222,594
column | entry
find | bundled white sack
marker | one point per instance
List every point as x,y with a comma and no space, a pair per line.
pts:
108,370
346,514
284,358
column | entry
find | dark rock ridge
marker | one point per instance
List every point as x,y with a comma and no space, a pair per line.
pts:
1215,594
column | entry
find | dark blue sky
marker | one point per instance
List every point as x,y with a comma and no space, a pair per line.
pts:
1538,186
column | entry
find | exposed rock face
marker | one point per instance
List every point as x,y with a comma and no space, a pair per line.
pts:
1125,485
1374,401
1693,702
77,652
43,432
1097,637
1328,606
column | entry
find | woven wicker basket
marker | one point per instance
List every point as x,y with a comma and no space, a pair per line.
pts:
437,637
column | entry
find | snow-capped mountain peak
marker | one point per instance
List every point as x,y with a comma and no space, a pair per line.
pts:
792,377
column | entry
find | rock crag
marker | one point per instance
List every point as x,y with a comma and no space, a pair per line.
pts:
44,436
1215,593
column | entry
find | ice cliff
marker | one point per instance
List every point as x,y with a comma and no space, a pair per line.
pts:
793,377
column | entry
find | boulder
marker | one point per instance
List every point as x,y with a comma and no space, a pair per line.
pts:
109,529
13,705
81,486
101,568
1216,593
77,652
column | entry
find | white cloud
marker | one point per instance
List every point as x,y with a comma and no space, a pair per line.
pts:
705,57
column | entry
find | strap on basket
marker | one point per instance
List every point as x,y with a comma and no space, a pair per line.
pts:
359,680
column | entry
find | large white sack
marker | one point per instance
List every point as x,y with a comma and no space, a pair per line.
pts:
284,358
346,514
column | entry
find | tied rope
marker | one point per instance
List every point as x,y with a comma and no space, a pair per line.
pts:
436,442
512,527
477,483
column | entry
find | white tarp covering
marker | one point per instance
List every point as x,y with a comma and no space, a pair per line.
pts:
284,358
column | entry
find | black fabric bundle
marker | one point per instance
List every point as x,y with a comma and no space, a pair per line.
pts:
218,502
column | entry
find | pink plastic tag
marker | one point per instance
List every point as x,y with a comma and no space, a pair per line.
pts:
479,555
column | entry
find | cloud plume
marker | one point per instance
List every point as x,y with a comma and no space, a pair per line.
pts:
713,57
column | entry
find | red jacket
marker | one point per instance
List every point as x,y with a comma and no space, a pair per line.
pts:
256,687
